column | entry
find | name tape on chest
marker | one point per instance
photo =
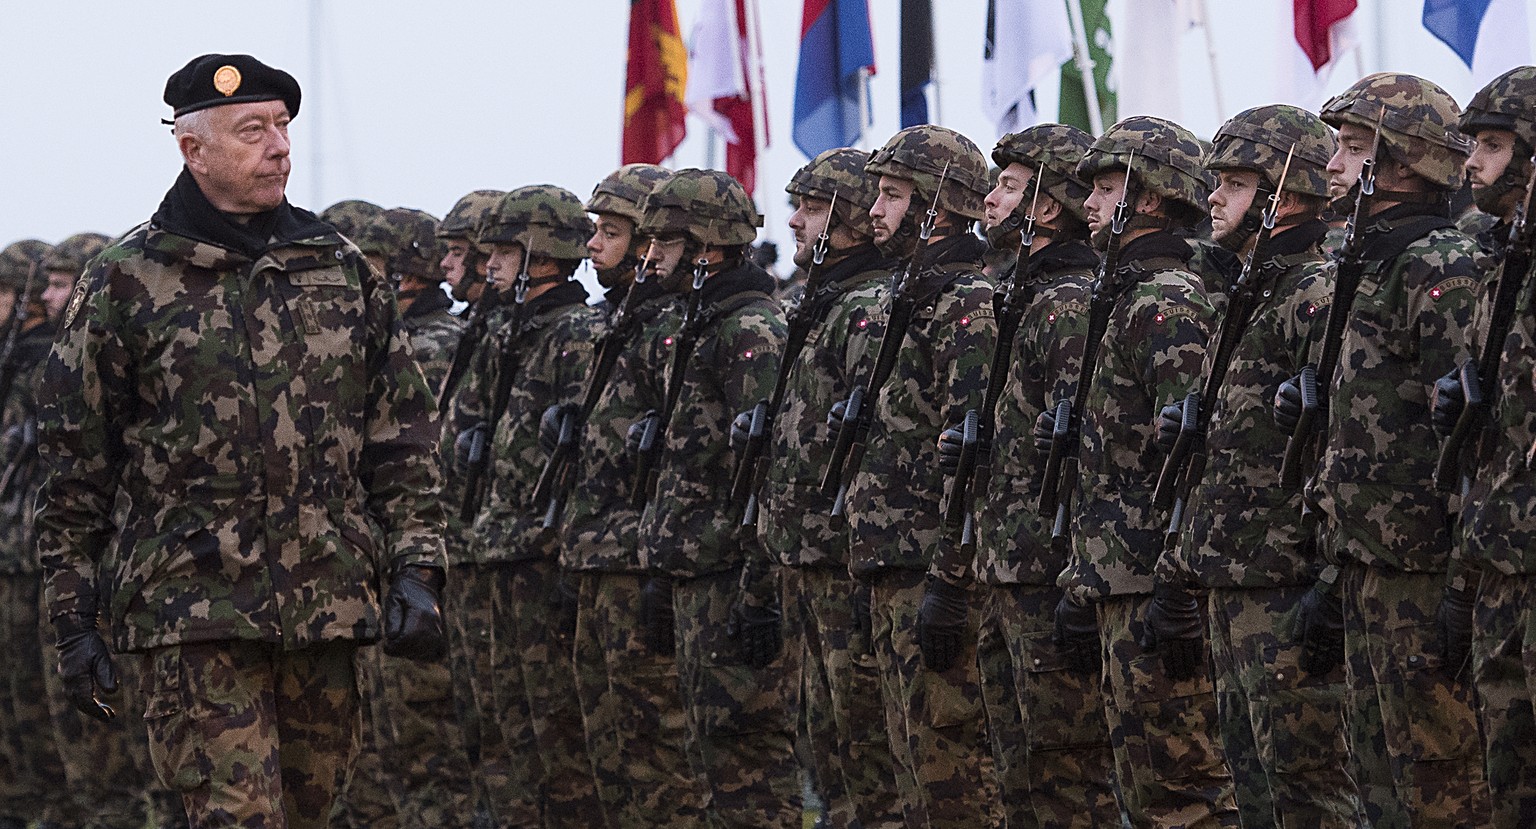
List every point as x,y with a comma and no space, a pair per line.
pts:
327,276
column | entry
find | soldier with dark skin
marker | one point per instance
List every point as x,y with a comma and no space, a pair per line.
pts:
1282,727
919,580
1162,724
1045,717
231,463
711,584
845,726
1385,526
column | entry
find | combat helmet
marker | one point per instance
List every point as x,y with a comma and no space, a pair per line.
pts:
350,216
21,268
1168,159
72,254
625,189
840,172
710,207
1051,151
546,220
1508,102
407,239
1260,139
464,222
1418,123
921,154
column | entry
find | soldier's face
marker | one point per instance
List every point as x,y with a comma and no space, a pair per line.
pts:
666,255
240,159
890,207
1355,143
7,305
60,285
611,241
807,223
505,263
453,261
1232,197
1106,193
1013,184
1490,157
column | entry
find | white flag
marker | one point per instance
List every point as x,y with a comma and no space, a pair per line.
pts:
1147,49
1028,41
715,66
1503,41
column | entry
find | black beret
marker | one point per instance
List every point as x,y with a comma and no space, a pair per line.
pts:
216,80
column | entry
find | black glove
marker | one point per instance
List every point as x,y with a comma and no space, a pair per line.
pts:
637,431
951,445
863,616
657,627
1045,431
1320,629
549,425
941,624
1288,404
741,431
1170,421
567,599
756,617
1447,403
1175,628
1077,636
835,420
85,664
1455,619
464,444
413,614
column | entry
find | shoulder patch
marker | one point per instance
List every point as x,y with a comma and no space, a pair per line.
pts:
1066,309
1314,308
1452,284
1174,312
76,300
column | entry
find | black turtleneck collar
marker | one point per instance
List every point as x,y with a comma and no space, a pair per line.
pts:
744,277
856,260
185,211
1406,210
428,300
963,247
566,293
644,292
1298,238
1159,244
1061,256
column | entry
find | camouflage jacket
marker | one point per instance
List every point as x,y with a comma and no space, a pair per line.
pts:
434,335
1242,527
19,472
1150,354
257,418
1408,327
689,528
896,503
549,343
793,521
601,528
1013,544
462,412
1490,232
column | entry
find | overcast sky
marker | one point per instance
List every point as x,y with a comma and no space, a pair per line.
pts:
408,103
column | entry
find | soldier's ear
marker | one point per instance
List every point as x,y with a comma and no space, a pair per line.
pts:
1150,203
1047,209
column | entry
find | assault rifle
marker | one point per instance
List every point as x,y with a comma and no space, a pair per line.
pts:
482,441
469,343
654,438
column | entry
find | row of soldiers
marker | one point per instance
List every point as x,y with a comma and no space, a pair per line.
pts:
1193,495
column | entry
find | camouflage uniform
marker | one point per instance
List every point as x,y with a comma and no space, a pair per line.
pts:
1050,740
1384,520
1282,727
849,748
895,504
545,345
1168,759
740,734
249,608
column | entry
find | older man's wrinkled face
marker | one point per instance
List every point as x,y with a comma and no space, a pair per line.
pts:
238,154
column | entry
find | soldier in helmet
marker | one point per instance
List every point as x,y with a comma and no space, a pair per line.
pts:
710,583
1045,716
1386,527
539,356
1494,533
846,733
1154,320
350,216
922,617
464,260
1282,727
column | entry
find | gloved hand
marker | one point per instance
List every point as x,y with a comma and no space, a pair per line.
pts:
1447,403
941,623
951,445
637,431
863,616
463,445
741,431
1077,636
1455,619
1045,431
85,664
567,599
756,617
413,614
835,420
1170,421
1288,404
1320,629
1175,628
657,627
549,425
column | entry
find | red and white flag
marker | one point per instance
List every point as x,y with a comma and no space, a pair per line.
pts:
1325,34
725,83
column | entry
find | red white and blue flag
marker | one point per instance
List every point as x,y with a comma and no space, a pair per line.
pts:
835,46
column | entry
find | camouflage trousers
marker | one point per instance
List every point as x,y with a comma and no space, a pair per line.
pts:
467,610
532,647
252,736
31,772
1168,757
1282,728
428,769
840,694
1429,726
364,800
635,727
935,720
1050,741
1504,670
740,726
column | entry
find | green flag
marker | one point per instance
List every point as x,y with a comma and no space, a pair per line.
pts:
1074,104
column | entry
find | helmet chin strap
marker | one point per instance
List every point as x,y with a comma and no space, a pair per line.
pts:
1510,181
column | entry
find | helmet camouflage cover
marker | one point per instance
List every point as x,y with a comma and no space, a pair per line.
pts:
21,263
1168,158
625,189
407,239
1418,123
1051,151
350,216
926,153
467,217
708,205
547,220
1508,102
73,253
1259,139
840,172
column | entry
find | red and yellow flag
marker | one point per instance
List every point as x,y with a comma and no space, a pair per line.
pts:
654,78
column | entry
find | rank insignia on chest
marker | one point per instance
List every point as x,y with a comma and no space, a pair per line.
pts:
1452,284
